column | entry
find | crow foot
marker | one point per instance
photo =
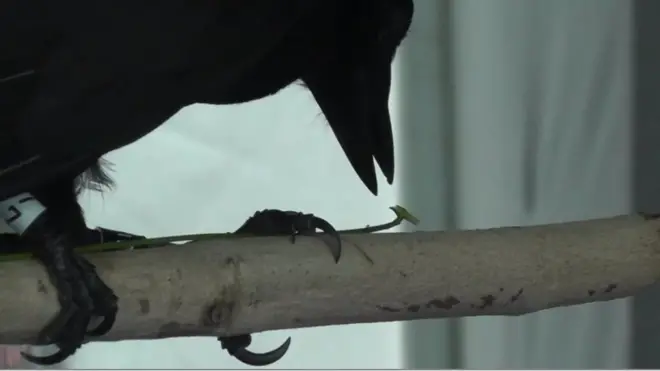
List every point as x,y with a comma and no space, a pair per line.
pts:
272,222
82,296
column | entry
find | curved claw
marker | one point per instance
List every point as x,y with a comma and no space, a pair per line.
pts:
327,228
278,222
262,359
103,327
50,360
239,351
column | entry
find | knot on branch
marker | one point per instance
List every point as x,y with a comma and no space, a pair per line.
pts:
220,313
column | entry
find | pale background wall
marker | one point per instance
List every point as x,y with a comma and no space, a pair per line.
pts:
544,116
646,56
536,95
507,112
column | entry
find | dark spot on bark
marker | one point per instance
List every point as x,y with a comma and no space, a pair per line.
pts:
501,289
385,308
403,274
41,287
487,301
650,216
517,295
591,292
144,306
213,316
446,303
252,302
219,313
297,320
610,287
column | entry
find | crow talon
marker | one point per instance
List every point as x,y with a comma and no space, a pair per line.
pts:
67,331
237,347
99,293
327,228
52,359
81,293
307,224
272,222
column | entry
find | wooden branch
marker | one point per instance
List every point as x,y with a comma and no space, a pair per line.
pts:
241,285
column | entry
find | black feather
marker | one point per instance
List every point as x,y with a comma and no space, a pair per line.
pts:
79,79
95,178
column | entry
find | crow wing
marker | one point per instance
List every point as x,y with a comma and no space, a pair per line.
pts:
81,78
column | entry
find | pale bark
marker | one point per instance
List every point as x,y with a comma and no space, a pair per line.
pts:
258,284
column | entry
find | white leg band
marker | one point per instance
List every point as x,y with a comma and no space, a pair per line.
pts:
20,211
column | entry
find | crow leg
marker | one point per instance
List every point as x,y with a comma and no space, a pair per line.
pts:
271,222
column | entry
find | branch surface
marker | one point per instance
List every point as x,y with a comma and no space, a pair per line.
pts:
241,285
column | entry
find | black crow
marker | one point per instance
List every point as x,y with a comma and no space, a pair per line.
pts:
79,79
